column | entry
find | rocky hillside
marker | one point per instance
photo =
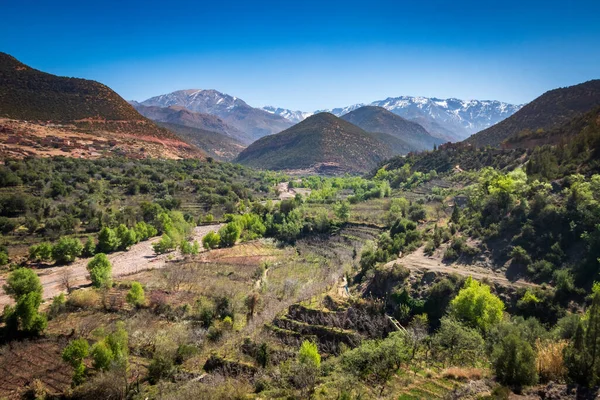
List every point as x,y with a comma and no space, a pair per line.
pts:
323,143
545,114
378,119
66,108
254,122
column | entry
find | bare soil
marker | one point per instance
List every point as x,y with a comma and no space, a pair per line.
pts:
138,258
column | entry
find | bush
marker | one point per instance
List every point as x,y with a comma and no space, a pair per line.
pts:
74,354
84,298
24,286
41,252
108,240
188,248
164,245
57,306
100,270
89,247
514,362
211,240
229,234
66,250
135,296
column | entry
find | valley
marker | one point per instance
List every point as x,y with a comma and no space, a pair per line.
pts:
193,246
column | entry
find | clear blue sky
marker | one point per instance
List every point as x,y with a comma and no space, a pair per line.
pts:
309,55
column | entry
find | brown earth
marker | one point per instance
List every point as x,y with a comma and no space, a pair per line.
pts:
138,258
20,139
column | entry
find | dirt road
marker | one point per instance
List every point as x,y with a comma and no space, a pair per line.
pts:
286,193
139,257
420,262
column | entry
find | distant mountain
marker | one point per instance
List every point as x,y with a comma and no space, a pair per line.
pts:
79,106
378,119
292,116
217,145
254,122
546,113
322,143
182,116
446,119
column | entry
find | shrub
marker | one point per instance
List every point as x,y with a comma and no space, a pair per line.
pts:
24,286
89,247
463,374
84,298
41,252
164,245
514,362
100,271
188,248
229,234
102,356
66,250
57,306
309,354
550,365
74,354
211,240
108,241
135,296
3,258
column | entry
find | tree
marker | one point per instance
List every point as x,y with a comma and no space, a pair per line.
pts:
89,247
188,248
342,210
164,245
477,306
41,252
455,215
74,354
582,356
211,240
127,237
100,270
108,241
67,250
457,344
135,296
24,286
377,361
102,356
229,234
514,362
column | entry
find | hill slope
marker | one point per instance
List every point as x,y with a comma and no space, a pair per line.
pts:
254,122
547,112
215,144
322,142
74,107
182,116
378,119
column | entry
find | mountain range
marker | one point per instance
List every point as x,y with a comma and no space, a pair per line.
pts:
253,122
447,119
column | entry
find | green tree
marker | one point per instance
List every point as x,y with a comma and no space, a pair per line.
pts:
41,252
67,250
89,247
477,306
342,210
165,244
102,356
514,362
74,354
135,296
108,241
582,356
24,286
100,270
211,240
127,237
309,354
229,234
457,344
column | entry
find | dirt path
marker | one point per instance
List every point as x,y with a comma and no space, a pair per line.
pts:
139,257
286,193
418,261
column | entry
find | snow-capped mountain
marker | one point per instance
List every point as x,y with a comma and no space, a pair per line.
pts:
255,122
293,116
448,119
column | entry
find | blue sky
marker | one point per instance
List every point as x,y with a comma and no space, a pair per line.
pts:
310,55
